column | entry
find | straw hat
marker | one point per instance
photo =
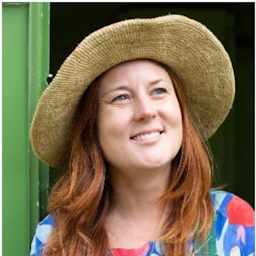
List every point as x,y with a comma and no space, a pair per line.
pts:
185,45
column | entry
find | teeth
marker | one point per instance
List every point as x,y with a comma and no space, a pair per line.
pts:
147,136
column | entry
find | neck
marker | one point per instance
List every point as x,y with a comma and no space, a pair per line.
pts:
137,192
138,215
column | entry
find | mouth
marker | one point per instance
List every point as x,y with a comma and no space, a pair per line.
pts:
146,135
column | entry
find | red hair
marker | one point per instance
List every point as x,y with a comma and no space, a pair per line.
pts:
82,197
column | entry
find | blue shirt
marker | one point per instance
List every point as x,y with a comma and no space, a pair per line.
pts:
234,230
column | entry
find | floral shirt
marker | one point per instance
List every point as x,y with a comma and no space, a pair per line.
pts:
233,232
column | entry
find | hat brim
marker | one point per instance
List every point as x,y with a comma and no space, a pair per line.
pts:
185,45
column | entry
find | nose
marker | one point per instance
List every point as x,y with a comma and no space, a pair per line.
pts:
144,109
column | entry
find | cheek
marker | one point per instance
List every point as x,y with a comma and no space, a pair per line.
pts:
177,114
180,124
173,114
176,124
102,126
179,129
103,137
110,136
110,126
103,130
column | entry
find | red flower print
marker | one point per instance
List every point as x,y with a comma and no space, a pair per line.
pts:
240,212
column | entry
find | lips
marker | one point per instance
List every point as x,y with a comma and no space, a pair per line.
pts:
146,135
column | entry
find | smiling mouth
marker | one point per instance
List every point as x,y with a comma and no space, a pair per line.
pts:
146,136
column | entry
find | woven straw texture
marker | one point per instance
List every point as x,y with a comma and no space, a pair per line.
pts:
187,46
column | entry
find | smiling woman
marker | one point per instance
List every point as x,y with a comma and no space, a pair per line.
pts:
127,116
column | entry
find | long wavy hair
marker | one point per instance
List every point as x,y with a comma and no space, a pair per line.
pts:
82,198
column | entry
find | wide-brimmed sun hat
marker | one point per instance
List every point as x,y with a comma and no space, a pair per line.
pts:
190,49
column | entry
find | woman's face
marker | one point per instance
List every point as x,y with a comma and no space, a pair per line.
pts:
139,118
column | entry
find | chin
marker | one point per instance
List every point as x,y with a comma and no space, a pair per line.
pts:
152,165
158,159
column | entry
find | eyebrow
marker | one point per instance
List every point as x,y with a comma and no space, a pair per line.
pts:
156,81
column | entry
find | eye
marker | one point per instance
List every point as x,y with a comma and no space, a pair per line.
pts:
159,91
120,98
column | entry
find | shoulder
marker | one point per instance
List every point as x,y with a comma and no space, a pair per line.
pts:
43,231
235,223
232,207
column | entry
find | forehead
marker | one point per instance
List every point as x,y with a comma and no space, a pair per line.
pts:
135,71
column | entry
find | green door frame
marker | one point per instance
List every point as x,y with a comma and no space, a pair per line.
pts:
25,67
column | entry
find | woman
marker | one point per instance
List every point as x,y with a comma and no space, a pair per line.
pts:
126,116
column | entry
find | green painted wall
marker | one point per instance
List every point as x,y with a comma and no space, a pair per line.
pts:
15,127
25,63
